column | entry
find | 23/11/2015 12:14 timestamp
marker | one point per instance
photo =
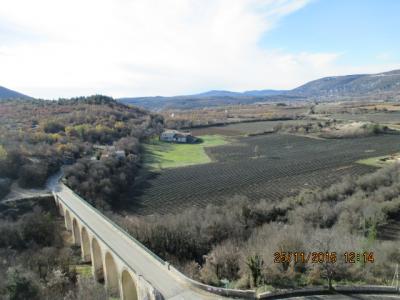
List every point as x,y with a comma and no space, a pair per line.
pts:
322,257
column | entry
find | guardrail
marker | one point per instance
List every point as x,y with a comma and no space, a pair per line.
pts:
232,293
324,290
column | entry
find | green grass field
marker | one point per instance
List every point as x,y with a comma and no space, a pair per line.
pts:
84,270
378,161
162,155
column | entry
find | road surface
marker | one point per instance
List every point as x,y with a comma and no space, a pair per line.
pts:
135,257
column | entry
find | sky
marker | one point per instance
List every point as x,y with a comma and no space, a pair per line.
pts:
130,48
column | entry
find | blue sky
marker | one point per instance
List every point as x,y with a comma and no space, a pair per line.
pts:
121,48
363,31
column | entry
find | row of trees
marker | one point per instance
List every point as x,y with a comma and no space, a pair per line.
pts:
334,129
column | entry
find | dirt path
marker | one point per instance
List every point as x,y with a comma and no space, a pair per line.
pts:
18,193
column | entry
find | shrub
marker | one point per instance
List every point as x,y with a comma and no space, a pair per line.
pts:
20,286
5,185
33,175
38,228
53,127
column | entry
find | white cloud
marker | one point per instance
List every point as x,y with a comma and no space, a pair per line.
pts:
384,56
148,47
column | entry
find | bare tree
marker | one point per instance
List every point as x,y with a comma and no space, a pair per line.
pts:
332,244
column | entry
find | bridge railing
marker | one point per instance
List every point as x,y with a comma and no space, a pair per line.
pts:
324,290
119,228
242,294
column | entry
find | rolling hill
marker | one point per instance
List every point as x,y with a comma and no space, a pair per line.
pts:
358,86
10,94
351,85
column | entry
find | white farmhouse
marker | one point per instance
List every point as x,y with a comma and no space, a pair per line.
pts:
177,137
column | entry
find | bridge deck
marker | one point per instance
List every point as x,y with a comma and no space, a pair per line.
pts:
132,254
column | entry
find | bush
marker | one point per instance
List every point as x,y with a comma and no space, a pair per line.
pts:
53,127
5,185
87,288
11,165
9,236
38,228
222,262
20,286
33,175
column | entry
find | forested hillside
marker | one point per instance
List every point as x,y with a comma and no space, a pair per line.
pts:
98,137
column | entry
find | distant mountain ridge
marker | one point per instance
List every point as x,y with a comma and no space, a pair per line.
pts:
384,85
10,94
255,93
334,87
351,85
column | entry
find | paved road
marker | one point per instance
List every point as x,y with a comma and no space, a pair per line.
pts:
135,257
349,297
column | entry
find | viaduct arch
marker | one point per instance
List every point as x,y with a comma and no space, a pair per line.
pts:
76,232
68,220
86,256
97,262
119,281
112,281
129,290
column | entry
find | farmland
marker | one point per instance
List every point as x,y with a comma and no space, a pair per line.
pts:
378,117
246,127
260,167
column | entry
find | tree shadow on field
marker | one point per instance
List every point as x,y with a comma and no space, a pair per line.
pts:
152,158
155,162
142,183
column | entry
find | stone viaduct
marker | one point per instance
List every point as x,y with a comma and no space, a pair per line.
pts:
127,268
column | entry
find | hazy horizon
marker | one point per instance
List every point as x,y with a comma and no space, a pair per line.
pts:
165,48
